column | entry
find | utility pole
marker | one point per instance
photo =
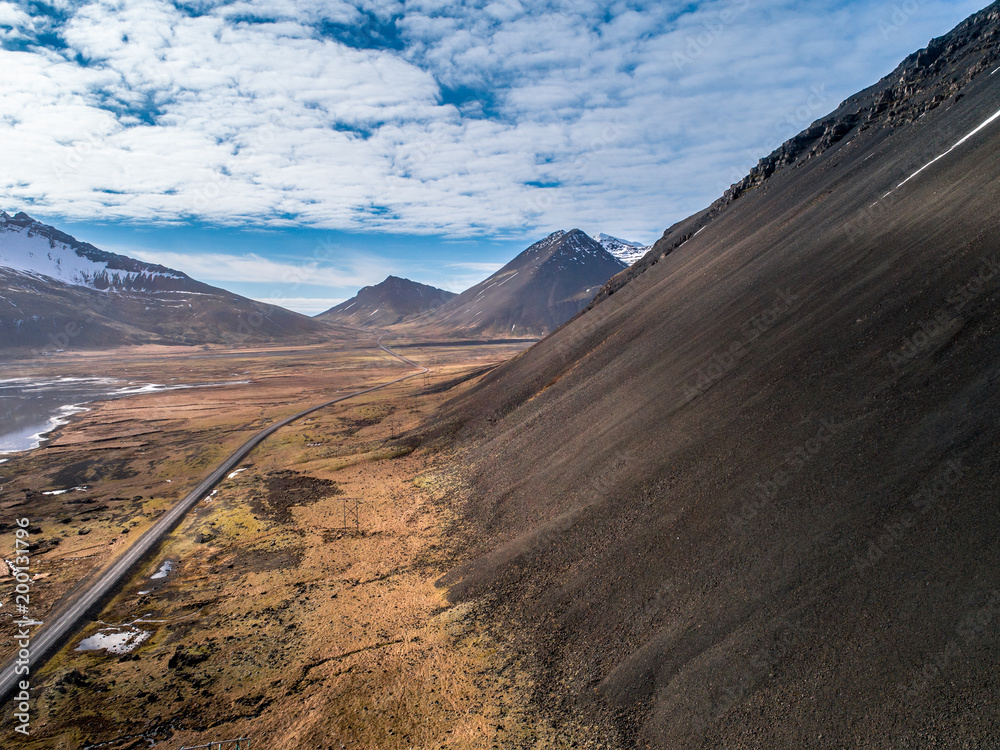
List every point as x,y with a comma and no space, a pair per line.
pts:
352,512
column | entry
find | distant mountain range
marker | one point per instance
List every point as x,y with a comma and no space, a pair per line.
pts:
539,290
536,292
387,303
57,292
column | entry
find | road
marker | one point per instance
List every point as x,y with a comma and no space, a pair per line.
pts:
48,637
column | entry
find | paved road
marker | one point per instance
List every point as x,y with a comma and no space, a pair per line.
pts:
47,638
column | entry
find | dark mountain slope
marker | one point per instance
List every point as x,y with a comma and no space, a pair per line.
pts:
386,303
748,499
539,290
57,292
926,80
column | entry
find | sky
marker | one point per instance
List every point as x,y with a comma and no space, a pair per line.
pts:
296,150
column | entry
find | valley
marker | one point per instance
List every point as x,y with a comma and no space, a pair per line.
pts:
267,601
733,489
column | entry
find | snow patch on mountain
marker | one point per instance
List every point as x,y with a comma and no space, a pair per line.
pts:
625,251
27,246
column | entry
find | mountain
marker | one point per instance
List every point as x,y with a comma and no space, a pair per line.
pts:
539,290
38,250
748,498
627,252
57,292
387,303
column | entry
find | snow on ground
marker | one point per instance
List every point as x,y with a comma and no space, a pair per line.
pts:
988,120
159,387
84,488
164,571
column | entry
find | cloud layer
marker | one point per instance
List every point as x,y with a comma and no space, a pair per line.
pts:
500,118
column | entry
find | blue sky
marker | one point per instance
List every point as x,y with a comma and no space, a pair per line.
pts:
295,150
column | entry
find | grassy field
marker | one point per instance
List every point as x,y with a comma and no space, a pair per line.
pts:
275,621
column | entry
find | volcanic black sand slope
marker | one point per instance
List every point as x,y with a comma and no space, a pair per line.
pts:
57,292
748,498
536,292
386,303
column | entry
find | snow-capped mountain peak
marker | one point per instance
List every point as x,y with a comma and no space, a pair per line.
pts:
30,247
626,251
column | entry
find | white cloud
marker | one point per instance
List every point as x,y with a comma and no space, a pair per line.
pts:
13,17
251,268
625,117
305,305
486,268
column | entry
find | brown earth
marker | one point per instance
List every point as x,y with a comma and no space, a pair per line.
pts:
276,622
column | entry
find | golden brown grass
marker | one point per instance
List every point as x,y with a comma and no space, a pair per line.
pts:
278,624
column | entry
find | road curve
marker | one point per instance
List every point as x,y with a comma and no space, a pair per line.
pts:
47,637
